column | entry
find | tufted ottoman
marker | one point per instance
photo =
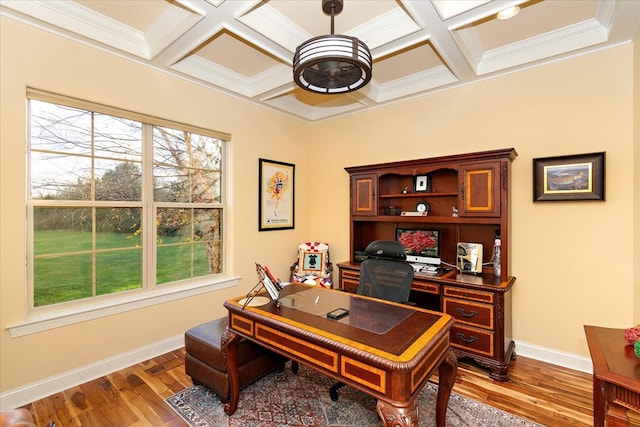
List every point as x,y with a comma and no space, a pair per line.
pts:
204,361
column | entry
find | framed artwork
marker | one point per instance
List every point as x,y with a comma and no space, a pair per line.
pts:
575,177
312,262
421,183
276,190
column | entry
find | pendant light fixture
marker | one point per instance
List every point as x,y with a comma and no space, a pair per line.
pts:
333,63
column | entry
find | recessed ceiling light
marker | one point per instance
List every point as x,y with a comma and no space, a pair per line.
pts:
508,13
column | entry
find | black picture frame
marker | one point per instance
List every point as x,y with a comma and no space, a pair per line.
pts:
422,183
568,178
276,195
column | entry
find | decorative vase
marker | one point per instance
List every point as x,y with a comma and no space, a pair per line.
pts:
636,348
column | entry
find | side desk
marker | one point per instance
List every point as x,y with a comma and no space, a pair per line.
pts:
616,376
384,349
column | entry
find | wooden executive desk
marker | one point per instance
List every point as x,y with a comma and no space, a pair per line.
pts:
616,376
384,349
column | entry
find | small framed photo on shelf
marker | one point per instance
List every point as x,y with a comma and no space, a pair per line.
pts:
421,183
575,177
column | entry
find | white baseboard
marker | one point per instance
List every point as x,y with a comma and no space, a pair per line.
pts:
34,391
555,357
31,392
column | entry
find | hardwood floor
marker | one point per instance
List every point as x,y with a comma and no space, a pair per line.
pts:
547,394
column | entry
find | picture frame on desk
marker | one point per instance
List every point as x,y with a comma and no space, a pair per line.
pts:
276,195
421,183
567,178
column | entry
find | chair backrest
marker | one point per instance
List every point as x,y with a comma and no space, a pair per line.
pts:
386,276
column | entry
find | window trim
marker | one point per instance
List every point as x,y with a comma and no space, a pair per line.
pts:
41,95
39,322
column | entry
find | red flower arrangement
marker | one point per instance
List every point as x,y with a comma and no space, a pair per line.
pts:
632,335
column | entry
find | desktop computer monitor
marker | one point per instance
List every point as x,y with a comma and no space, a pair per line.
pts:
422,246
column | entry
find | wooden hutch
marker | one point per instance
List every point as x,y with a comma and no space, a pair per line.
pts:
477,184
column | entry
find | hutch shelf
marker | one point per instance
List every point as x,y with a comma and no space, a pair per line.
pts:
476,185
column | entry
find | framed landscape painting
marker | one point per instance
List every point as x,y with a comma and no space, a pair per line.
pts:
575,177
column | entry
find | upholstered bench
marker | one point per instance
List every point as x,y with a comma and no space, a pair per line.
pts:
204,361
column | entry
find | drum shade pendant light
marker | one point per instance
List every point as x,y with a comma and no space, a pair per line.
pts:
334,63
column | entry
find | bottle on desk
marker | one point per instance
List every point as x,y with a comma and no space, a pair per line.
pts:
497,270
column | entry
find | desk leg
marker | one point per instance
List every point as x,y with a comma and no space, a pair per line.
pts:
407,414
230,351
447,372
598,402
398,416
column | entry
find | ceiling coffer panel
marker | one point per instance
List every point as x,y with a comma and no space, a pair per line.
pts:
245,47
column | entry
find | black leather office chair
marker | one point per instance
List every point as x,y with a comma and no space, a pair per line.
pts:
384,274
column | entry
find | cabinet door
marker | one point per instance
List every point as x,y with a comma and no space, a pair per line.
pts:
363,194
480,189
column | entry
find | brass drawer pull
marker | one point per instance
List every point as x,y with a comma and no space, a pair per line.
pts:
470,314
461,337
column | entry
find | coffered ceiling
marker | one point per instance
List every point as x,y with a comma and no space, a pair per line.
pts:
245,47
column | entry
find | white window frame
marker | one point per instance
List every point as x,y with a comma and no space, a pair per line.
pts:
61,314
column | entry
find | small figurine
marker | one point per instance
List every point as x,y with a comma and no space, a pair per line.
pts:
405,190
454,211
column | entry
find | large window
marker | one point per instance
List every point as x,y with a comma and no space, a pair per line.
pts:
119,202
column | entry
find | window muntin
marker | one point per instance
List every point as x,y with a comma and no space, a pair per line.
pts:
187,162
89,202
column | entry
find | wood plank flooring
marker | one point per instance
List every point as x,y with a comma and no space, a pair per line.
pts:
547,394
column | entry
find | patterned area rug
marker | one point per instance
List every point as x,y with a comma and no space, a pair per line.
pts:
287,399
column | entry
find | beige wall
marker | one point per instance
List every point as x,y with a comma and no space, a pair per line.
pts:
573,260
35,58
576,106
636,180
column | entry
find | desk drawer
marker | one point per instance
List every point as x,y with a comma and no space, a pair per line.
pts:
472,339
350,274
349,285
300,348
431,288
468,294
349,280
471,313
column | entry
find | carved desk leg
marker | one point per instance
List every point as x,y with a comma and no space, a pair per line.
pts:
447,377
407,414
230,351
398,416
